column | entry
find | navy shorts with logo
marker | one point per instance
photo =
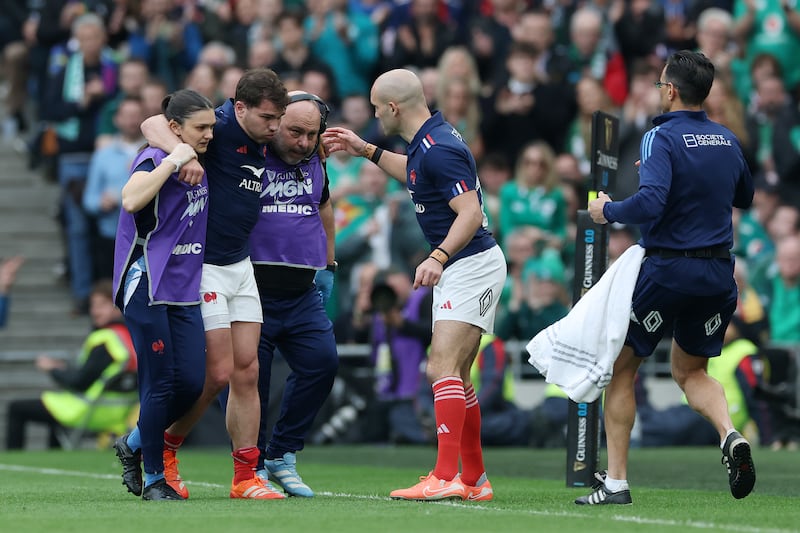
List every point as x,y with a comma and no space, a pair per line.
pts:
697,323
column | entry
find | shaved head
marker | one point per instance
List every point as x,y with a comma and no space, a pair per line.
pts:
401,86
400,104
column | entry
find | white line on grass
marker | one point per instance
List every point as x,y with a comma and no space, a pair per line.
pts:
471,506
59,472
617,518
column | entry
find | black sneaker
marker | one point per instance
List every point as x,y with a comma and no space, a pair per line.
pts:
160,490
737,459
602,496
131,465
599,479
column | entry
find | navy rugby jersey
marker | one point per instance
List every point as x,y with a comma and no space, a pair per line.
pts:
235,165
441,167
692,173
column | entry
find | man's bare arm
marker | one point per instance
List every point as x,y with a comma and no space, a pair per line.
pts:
158,134
336,139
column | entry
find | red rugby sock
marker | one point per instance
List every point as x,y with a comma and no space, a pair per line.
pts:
449,407
172,442
471,453
244,464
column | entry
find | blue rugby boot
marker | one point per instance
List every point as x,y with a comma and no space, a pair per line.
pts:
283,471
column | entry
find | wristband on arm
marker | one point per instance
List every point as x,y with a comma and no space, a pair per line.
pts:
376,156
372,152
440,255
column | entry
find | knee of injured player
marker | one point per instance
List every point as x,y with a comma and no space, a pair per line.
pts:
245,373
441,365
218,374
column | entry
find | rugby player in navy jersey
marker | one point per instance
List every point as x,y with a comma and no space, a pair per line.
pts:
158,257
466,269
691,175
230,303
292,249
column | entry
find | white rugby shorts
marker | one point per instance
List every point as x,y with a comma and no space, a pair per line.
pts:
470,288
228,294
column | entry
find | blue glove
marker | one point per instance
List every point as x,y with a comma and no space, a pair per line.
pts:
324,282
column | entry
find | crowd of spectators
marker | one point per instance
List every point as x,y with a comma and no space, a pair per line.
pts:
519,79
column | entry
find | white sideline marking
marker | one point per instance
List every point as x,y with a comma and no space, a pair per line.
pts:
471,506
617,518
59,472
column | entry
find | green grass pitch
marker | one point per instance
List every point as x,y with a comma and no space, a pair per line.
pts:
673,490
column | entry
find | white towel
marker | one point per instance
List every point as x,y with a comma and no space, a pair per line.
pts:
577,353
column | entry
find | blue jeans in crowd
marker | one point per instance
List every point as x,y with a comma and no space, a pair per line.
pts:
72,171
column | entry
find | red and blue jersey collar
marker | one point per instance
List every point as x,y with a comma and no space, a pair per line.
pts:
424,138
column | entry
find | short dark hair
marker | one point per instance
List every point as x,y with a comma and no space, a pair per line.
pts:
181,104
130,98
261,84
692,73
523,49
295,15
767,59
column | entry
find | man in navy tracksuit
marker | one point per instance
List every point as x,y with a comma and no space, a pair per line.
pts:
692,173
293,282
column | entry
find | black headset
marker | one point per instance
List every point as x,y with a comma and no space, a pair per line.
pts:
324,110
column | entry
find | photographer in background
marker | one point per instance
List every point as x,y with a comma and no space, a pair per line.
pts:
97,390
401,333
